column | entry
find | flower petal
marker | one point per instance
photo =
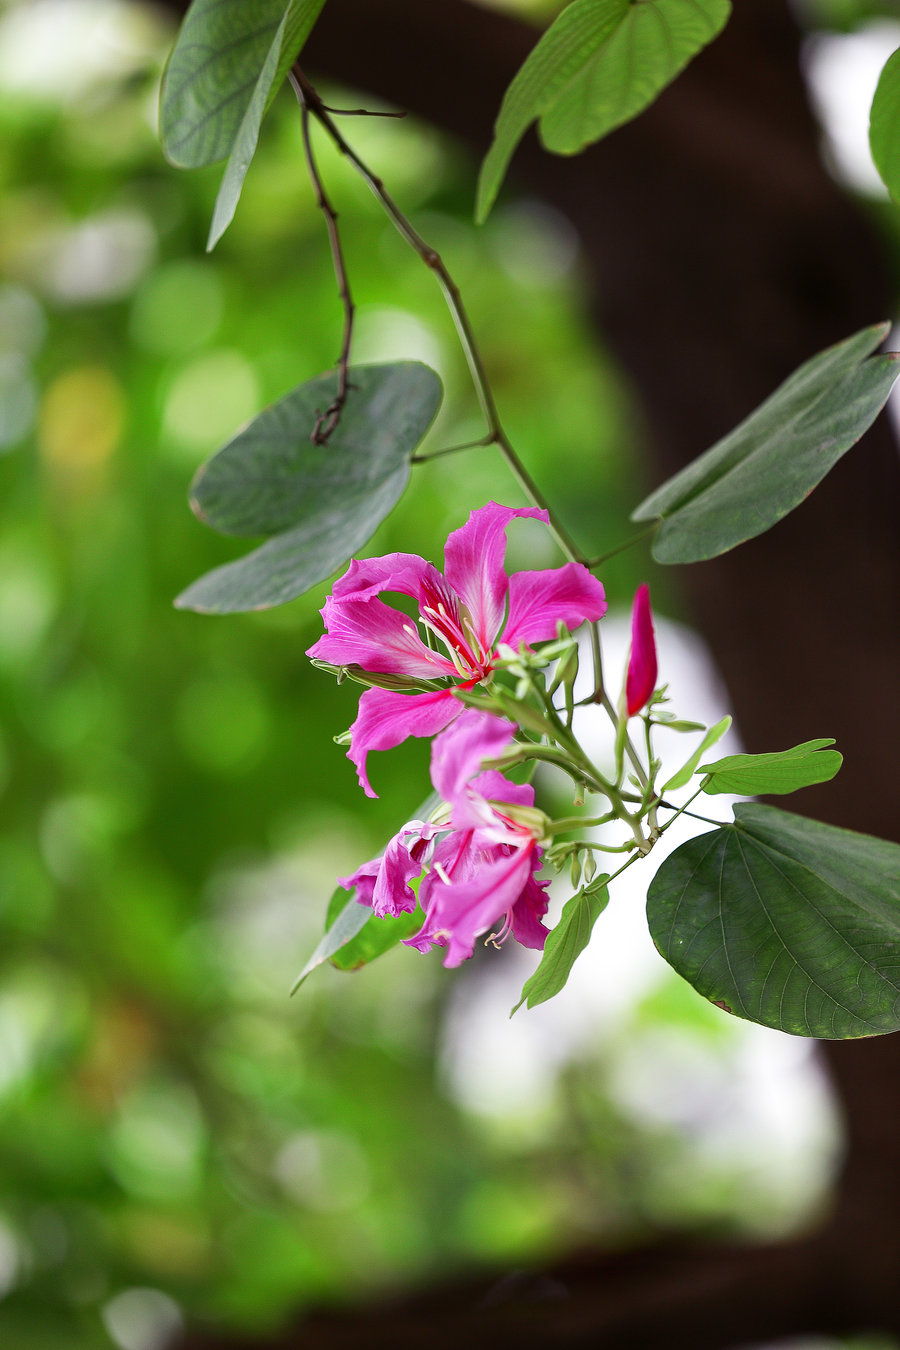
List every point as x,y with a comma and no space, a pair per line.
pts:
365,577
640,680
386,718
473,565
403,859
363,879
527,913
457,754
538,600
370,634
459,913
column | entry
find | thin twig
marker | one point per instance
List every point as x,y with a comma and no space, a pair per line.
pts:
327,421
452,450
432,259
496,434
594,563
362,112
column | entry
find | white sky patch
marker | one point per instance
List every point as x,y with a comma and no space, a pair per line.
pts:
842,71
60,50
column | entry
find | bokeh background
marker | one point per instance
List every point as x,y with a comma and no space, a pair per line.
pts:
178,1139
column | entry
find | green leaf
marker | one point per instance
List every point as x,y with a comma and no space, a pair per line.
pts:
597,66
228,62
320,502
565,943
375,938
654,42
780,771
351,918
769,463
786,922
688,769
884,125
214,69
354,936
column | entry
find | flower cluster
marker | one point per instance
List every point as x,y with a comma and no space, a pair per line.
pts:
472,865
470,610
476,867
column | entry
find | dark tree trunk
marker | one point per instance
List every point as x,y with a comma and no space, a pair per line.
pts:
722,257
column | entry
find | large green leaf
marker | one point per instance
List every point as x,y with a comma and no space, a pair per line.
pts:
780,771
228,61
321,502
770,462
597,66
884,125
786,922
565,943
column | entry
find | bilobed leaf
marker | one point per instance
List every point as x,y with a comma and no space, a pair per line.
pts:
320,502
245,142
565,943
786,922
214,69
596,67
351,918
781,771
228,61
769,463
884,125
688,769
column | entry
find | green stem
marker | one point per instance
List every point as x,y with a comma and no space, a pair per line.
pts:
432,259
594,563
567,823
451,450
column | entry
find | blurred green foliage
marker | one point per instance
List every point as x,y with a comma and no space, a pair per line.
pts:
174,1132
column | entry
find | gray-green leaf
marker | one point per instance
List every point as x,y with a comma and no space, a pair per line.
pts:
320,502
768,464
599,65
884,125
351,919
786,922
228,61
565,943
780,771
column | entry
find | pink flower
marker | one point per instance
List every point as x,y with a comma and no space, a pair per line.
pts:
640,680
479,867
470,609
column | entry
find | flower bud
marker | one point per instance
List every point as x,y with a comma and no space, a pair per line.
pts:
640,680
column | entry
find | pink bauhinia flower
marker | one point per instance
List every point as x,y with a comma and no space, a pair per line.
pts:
472,608
477,867
640,680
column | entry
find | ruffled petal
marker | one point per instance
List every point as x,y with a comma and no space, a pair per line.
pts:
538,600
527,913
403,859
457,754
385,719
363,879
640,680
403,572
473,565
457,914
370,634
